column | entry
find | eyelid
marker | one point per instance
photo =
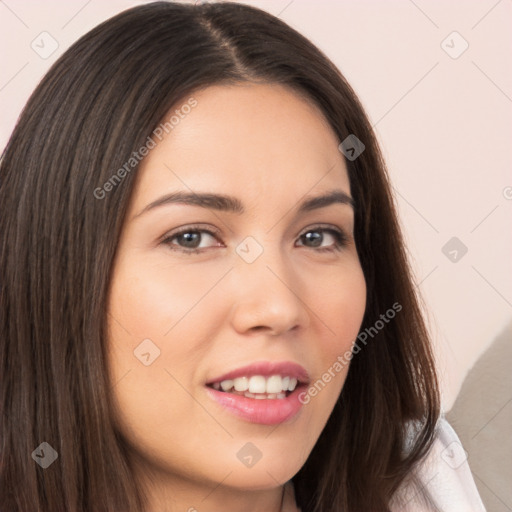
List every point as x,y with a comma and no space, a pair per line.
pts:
192,227
323,226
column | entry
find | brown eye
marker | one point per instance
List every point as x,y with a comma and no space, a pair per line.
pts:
314,238
189,239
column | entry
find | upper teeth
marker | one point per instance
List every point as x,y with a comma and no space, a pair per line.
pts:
259,384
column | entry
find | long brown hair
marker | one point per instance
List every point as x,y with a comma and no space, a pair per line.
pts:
97,105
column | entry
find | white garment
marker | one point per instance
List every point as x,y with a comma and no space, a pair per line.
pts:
444,479
444,484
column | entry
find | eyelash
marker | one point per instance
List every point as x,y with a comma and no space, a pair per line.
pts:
340,237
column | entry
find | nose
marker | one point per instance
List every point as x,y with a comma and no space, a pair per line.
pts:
269,296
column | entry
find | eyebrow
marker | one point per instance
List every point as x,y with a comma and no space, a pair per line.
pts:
232,204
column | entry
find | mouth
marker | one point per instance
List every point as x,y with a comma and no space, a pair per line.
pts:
265,393
258,387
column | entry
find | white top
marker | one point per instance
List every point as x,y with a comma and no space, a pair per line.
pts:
444,481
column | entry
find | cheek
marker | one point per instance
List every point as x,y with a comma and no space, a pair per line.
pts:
155,310
339,304
156,325
339,307
150,299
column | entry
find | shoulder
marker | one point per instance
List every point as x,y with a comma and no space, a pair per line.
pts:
443,481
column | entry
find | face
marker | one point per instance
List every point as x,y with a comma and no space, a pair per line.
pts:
257,295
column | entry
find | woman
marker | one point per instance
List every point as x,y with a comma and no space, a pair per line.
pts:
206,303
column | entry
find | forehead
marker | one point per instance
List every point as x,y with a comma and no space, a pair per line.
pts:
257,140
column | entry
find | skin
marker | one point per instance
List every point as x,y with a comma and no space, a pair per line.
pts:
212,312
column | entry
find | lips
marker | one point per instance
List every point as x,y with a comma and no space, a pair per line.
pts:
265,392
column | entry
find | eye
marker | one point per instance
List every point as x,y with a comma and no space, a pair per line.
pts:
189,239
316,236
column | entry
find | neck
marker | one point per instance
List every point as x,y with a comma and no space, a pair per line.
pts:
183,495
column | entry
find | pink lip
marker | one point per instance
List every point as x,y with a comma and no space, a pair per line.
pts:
266,411
266,369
